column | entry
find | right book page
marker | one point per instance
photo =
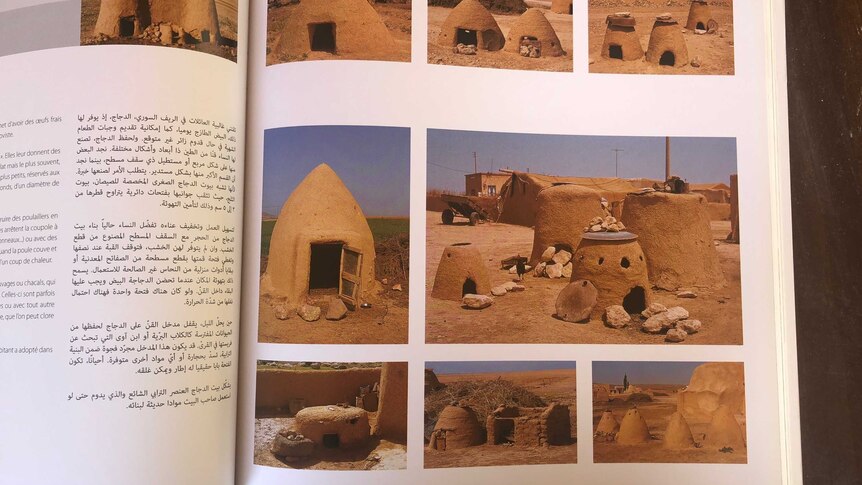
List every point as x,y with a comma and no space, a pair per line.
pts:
512,241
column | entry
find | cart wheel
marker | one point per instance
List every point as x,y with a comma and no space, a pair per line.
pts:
474,218
448,216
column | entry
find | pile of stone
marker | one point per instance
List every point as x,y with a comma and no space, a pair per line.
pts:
291,446
507,287
466,49
555,263
675,322
530,48
605,224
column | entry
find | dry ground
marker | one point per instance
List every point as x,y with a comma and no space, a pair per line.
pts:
527,317
552,386
562,24
227,18
377,455
397,18
714,50
657,413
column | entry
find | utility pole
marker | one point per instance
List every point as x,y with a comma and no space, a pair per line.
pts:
667,158
475,164
617,161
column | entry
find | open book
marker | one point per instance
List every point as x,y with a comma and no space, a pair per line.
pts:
358,241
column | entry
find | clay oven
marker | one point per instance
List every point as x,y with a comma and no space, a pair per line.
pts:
334,426
533,29
461,271
456,427
562,211
470,23
700,17
666,43
621,39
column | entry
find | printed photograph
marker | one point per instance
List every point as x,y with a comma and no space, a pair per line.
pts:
669,412
486,413
208,26
581,239
504,34
335,235
320,30
331,415
661,36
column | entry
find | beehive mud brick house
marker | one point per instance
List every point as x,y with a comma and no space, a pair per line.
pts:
470,23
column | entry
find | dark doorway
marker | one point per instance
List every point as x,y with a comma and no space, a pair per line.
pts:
570,9
635,301
325,266
127,26
667,59
504,431
700,26
466,37
469,287
330,440
322,37
205,36
615,51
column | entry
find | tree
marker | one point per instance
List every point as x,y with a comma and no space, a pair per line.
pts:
625,382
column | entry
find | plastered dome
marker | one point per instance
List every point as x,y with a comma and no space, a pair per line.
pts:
470,23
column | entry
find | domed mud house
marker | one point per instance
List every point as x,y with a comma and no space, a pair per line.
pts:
461,271
456,427
621,39
321,244
532,28
666,43
129,18
470,23
700,17
340,27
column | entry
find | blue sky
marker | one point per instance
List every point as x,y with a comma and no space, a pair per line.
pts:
373,162
643,372
496,366
698,160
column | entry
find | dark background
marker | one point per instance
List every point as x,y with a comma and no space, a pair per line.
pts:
824,56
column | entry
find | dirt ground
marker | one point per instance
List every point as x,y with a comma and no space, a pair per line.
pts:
527,317
562,24
552,386
377,455
397,18
384,323
227,18
657,414
714,50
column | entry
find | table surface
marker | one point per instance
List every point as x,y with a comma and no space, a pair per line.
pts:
824,44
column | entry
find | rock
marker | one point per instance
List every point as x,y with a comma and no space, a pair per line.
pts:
396,287
675,335
554,270
469,50
562,257
676,314
476,302
689,326
499,290
596,228
540,269
166,34
385,281
696,62
281,312
337,309
616,316
664,16
576,301
686,294
657,323
517,288
309,313
654,309
548,254
567,270
291,446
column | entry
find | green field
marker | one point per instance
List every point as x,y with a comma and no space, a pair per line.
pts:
381,228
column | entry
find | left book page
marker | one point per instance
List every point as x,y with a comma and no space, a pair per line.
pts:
121,175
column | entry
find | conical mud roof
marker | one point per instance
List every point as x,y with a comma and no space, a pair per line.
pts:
461,427
471,15
678,434
533,24
607,425
633,429
724,431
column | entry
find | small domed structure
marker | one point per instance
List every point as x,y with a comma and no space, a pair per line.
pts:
713,384
616,265
461,271
678,434
533,28
633,429
700,17
608,425
122,18
321,241
621,39
470,23
724,431
562,212
666,43
129,18
561,6
457,427
341,27
334,426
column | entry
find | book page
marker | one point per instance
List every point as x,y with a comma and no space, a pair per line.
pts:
121,177
587,198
